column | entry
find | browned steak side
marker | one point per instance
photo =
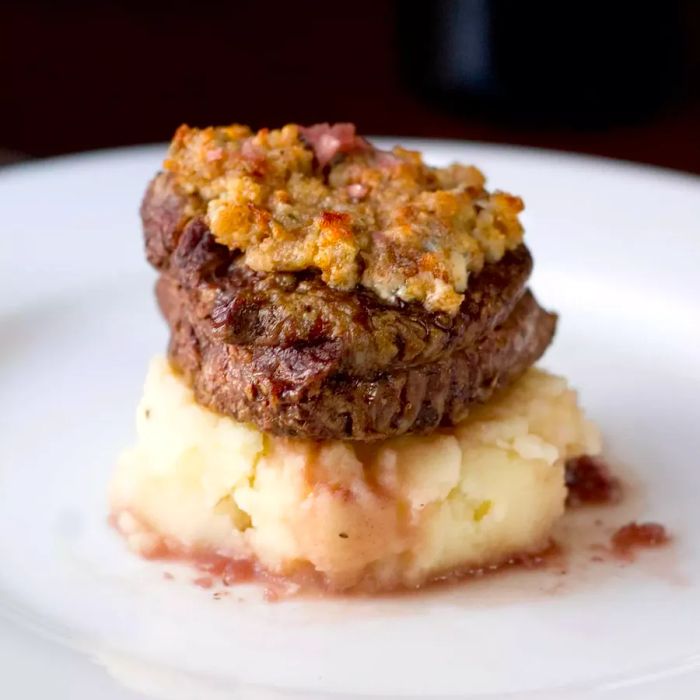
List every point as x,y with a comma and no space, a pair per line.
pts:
295,357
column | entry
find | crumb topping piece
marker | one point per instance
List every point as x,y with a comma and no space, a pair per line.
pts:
323,198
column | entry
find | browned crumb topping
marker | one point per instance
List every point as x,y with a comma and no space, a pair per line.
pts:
323,198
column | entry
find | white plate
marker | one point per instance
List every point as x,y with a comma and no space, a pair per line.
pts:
617,250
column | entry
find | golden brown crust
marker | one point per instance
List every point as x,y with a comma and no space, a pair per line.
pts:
323,198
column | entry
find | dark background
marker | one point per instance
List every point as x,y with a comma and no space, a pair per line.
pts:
619,79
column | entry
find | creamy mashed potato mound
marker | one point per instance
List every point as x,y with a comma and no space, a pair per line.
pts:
382,515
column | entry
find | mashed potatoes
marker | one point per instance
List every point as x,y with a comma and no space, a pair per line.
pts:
362,515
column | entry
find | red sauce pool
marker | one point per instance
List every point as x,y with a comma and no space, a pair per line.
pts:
633,536
205,582
590,482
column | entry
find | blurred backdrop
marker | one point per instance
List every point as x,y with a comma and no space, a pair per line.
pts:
615,78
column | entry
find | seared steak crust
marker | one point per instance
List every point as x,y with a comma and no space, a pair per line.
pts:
295,357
